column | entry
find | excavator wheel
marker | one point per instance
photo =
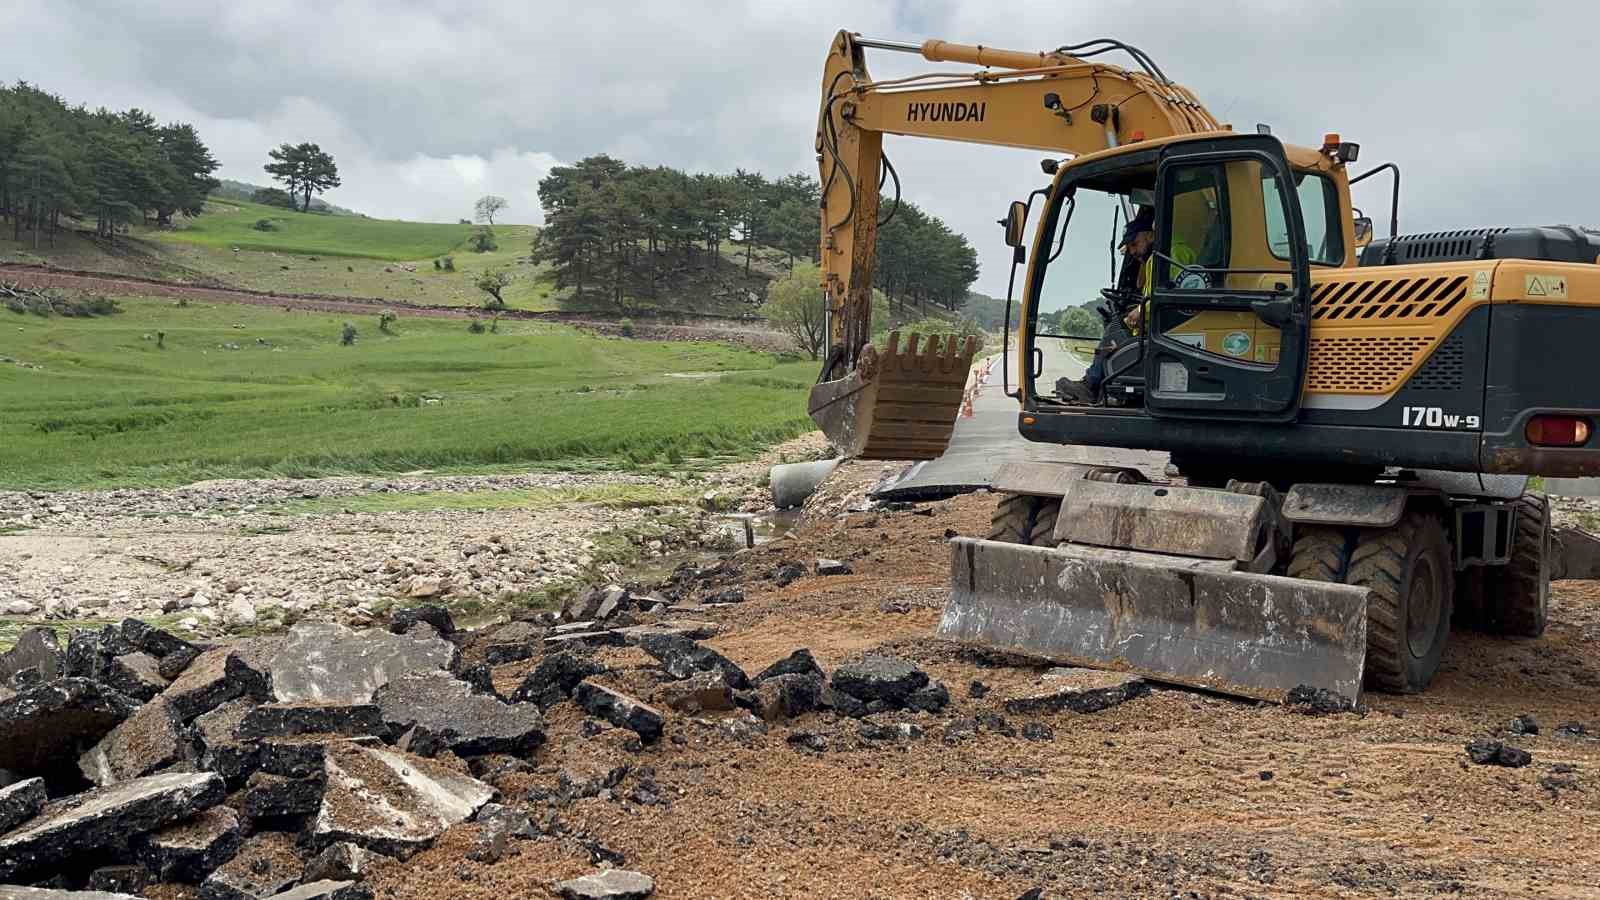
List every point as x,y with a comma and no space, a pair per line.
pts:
1408,569
1517,599
1024,519
1320,554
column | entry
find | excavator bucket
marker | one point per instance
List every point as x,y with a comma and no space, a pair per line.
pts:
896,404
1186,621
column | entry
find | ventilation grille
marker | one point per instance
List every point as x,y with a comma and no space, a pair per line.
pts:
1433,246
1362,365
1444,370
1425,297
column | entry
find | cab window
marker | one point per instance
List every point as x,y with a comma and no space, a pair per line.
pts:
1319,206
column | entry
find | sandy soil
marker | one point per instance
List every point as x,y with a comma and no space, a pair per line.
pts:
1172,794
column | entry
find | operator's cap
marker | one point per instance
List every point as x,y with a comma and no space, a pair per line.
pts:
1144,221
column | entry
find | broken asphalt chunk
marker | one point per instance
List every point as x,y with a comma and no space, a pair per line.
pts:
831,567
392,802
1487,752
331,663
265,865
342,861
883,678
620,710
189,850
106,817
21,802
17,892
36,648
432,613
800,662
326,890
611,884
468,723
681,657
147,741
274,796
136,674
217,676
1313,701
288,719
43,725
1077,690
788,696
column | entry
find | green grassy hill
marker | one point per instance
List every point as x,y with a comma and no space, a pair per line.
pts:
230,224
241,391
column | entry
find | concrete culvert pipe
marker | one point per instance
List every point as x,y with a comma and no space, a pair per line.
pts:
792,483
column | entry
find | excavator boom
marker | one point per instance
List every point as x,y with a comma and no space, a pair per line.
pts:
902,403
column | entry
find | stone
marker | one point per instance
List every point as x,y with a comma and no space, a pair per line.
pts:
392,802
900,731
36,648
611,884
17,892
1486,752
808,740
154,641
287,719
303,756
689,628
788,696
1038,731
1077,690
620,710
266,864
703,692
136,674
88,651
514,822
468,723
328,662
401,621
511,642
1524,724
724,597
189,850
49,723
272,796
106,817
931,697
342,861
613,599
555,677
239,612
326,890
682,657
146,742
173,665
800,662
119,879
422,587
788,573
883,678
831,567
559,642
585,605
215,677
977,690
20,802
223,751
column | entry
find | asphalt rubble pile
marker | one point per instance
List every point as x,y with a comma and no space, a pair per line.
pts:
297,765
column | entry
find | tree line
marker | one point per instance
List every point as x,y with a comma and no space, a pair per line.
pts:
61,161
616,233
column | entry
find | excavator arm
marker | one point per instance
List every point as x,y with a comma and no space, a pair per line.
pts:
901,403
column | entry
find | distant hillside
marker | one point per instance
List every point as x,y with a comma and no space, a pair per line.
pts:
243,191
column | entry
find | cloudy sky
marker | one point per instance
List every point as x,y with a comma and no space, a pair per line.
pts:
1488,107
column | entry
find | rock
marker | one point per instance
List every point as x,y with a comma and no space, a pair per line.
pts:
1077,690
702,692
808,740
326,890
977,690
788,696
931,697
611,884
265,865
555,677
1524,724
49,723
239,612
173,665
800,662
36,648
119,879
1038,731
224,752
1572,730
20,802
511,642
831,567
328,662
149,740
422,587
613,600
217,676
689,628
724,597
901,731
681,657
18,608
620,710
342,861
136,674
285,719
189,850
468,723
1312,701
788,573
883,678
392,802
513,822
152,640
585,605
106,817
273,796
432,613
1486,752
17,892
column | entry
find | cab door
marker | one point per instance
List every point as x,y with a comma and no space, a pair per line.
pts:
1229,284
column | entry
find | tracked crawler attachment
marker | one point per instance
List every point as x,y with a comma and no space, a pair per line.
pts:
896,404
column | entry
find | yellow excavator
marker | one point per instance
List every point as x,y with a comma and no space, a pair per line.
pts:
1353,421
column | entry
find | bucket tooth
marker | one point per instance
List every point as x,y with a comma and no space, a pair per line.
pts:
897,403
1186,621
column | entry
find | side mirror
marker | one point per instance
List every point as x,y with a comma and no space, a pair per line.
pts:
1363,231
1015,221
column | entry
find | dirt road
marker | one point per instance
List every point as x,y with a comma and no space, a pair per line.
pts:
1172,794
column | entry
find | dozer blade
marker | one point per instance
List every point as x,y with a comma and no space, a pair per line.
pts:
896,404
1190,622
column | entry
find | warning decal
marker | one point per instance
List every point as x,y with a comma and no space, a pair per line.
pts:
1553,287
1480,285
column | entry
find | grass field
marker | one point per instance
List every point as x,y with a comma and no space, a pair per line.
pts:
111,408
229,224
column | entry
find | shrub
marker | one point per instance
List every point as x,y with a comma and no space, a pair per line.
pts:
476,326
437,265
386,322
626,328
449,263
265,225
492,283
482,240
494,325
347,335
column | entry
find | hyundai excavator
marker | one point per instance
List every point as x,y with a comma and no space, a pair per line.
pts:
1351,422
